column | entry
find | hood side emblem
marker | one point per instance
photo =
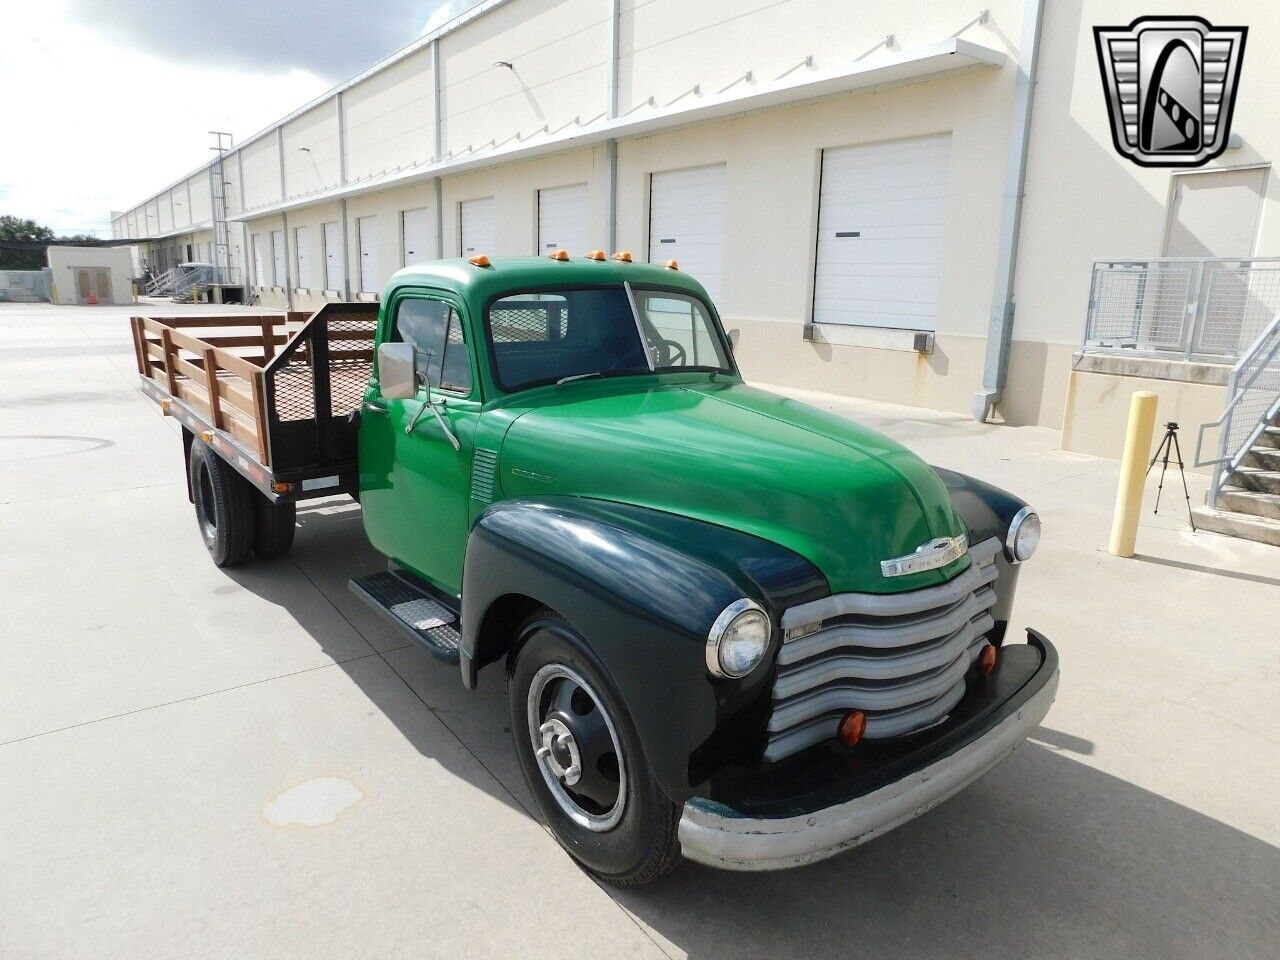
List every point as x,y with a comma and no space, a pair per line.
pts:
928,556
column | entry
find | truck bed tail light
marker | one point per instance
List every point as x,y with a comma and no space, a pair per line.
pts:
852,726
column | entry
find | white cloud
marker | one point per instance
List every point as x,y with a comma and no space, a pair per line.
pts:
442,15
92,127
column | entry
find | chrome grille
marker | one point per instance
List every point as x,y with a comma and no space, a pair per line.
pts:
901,658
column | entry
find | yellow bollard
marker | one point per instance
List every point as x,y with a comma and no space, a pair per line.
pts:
1133,473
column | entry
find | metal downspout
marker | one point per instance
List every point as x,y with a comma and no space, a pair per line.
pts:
1000,329
611,145
284,218
342,204
438,150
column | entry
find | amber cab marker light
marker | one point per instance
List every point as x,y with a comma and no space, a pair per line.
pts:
987,660
623,255
480,260
852,727
559,254
672,265
595,255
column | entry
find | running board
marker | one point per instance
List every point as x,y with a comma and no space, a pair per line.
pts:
411,608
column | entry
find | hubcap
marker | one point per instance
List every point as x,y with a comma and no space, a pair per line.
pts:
576,746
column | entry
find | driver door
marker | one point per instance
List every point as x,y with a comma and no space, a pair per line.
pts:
414,484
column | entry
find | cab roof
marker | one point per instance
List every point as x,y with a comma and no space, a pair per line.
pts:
514,274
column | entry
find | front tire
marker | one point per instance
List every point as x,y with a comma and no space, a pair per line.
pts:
582,759
224,510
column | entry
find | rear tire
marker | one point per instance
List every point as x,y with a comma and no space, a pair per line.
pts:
595,789
224,508
273,527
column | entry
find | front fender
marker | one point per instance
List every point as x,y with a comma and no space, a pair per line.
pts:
987,511
643,588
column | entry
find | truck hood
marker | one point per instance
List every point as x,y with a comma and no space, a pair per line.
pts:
840,495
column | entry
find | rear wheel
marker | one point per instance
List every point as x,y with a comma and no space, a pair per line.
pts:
224,508
582,758
273,527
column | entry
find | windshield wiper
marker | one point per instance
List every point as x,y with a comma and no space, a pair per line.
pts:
578,376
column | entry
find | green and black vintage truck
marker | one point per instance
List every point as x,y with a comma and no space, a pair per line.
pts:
732,627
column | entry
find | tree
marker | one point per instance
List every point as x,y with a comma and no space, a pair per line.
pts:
15,230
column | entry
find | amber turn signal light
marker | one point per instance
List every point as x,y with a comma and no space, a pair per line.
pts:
559,254
480,260
987,660
852,726
672,265
623,255
595,255
206,436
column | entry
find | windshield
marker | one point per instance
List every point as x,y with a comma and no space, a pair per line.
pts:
549,337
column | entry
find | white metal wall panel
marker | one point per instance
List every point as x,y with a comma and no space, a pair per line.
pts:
476,222
279,277
686,223
306,258
259,264
335,261
880,225
311,150
389,118
370,269
562,220
417,236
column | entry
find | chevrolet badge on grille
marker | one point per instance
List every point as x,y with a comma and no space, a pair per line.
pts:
927,556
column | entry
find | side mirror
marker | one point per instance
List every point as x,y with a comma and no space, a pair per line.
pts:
397,373
734,336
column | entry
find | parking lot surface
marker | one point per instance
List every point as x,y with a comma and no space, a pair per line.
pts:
251,763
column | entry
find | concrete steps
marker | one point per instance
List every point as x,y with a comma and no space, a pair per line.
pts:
1256,478
1241,525
1249,501
1264,458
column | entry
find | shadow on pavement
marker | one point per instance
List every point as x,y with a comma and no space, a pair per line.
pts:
1045,856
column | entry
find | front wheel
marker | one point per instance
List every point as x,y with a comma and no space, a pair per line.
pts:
582,759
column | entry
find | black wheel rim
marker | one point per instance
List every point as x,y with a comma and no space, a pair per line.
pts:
576,747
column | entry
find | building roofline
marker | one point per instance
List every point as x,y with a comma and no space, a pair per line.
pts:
408,50
904,66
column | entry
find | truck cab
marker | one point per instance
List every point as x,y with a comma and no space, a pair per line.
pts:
732,627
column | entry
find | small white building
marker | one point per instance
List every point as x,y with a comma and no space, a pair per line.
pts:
89,275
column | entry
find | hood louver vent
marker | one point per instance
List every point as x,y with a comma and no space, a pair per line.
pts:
484,468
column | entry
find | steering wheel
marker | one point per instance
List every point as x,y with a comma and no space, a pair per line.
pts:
674,354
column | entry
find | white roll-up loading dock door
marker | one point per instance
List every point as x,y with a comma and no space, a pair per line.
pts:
370,270
880,222
278,276
416,233
335,260
686,223
476,226
562,220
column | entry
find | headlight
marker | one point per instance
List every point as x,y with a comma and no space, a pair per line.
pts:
738,639
1024,535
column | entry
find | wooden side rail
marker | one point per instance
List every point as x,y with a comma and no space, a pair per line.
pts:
225,387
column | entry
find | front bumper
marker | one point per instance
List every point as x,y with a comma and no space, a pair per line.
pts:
716,835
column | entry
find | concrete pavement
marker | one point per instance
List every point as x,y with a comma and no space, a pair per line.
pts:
201,763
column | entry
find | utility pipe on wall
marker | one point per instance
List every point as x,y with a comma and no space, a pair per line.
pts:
438,149
611,145
1000,328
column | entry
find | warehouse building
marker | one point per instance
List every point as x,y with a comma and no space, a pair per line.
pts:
844,180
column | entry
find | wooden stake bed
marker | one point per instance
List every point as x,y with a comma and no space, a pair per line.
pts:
278,407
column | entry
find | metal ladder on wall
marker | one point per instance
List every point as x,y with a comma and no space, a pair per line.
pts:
218,197
1244,496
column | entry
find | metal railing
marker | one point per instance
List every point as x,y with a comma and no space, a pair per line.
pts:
1253,402
1208,308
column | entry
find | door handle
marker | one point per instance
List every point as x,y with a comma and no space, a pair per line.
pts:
372,407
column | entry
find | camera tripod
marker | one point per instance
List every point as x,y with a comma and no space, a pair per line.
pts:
1170,446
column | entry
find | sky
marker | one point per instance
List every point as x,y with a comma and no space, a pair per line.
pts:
108,101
